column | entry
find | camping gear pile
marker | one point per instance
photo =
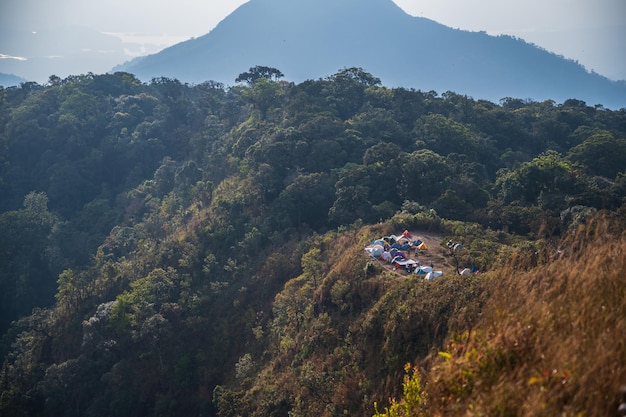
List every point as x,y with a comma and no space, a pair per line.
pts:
391,249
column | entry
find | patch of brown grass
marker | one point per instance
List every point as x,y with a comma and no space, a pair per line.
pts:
552,340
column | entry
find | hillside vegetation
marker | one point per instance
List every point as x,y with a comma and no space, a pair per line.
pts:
171,249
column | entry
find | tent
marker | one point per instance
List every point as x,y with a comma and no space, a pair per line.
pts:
423,270
466,271
379,242
408,264
422,246
404,246
375,251
433,274
398,255
403,262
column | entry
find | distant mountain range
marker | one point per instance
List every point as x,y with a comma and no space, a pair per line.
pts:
308,39
10,80
311,39
58,50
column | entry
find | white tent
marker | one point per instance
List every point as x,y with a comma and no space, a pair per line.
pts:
423,270
433,274
375,251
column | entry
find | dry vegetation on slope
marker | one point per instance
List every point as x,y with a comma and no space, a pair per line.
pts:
541,335
550,342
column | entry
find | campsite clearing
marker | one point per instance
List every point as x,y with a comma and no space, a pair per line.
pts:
436,255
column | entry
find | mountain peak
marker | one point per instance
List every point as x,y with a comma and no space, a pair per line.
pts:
314,39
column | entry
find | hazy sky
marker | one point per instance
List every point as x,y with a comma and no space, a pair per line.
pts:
590,31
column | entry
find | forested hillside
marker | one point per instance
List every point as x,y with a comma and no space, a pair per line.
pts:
175,249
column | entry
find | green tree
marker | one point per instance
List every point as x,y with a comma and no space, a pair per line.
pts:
256,73
379,125
381,153
347,90
27,259
351,203
445,136
263,94
425,176
547,179
72,290
308,198
602,154
79,121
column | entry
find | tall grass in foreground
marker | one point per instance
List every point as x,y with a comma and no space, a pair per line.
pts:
552,340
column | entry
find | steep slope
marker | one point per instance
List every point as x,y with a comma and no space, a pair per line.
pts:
308,40
548,341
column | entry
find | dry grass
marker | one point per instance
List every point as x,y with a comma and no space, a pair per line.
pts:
552,341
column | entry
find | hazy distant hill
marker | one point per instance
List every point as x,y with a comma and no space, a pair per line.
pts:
308,39
61,50
10,80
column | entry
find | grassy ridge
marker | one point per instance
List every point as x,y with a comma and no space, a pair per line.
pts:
550,341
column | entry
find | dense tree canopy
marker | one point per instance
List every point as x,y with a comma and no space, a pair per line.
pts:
149,230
